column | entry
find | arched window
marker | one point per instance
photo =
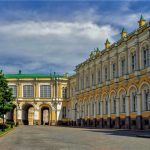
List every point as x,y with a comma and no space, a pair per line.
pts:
145,99
133,61
145,54
99,107
123,103
133,101
105,105
113,104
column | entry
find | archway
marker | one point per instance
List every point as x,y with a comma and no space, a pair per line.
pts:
45,115
27,114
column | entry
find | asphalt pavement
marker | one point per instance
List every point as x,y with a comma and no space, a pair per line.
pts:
63,138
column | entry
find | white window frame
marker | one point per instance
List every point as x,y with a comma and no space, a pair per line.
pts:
23,89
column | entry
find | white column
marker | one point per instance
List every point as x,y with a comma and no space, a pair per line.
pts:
117,107
108,107
36,114
19,114
127,106
101,108
88,109
138,104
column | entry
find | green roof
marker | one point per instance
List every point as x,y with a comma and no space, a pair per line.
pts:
32,75
142,18
107,41
123,30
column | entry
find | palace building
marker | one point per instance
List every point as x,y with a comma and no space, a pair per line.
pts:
111,89
39,98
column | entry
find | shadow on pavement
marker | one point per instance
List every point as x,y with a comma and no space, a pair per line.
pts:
129,133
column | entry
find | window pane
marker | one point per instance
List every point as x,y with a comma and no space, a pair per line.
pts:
45,91
14,90
28,91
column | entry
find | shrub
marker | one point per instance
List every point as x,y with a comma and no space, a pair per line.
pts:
3,126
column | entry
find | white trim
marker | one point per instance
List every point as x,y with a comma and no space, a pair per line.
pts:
12,84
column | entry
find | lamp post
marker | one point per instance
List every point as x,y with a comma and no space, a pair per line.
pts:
55,102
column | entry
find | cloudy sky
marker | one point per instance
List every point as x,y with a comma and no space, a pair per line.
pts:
47,36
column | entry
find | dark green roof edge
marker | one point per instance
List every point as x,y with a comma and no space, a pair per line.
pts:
32,75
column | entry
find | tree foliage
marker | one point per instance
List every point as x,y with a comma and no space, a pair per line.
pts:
6,96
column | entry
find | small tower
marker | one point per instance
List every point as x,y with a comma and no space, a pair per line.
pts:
142,21
19,71
107,44
123,33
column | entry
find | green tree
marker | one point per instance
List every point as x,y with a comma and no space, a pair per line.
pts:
6,97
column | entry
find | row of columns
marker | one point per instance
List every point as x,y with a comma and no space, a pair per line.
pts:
83,112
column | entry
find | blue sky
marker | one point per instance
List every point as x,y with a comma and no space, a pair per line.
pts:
47,36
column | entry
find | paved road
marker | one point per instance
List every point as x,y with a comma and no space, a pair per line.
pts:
61,138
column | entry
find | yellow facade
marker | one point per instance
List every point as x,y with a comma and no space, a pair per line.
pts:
127,90
30,109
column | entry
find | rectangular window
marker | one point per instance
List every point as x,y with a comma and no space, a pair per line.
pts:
133,62
99,77
106,74
87,81
14,90
122,66
64,92
92,79
28,91
114,70
145,57
64,112
82,84
45,91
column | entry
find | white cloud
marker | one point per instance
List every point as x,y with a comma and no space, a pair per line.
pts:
36,45
58,44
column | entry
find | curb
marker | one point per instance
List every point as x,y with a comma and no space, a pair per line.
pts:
7,132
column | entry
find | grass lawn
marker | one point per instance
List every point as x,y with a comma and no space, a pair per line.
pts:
6,130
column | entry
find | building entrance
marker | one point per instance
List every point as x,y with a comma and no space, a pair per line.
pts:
45,116
27,114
